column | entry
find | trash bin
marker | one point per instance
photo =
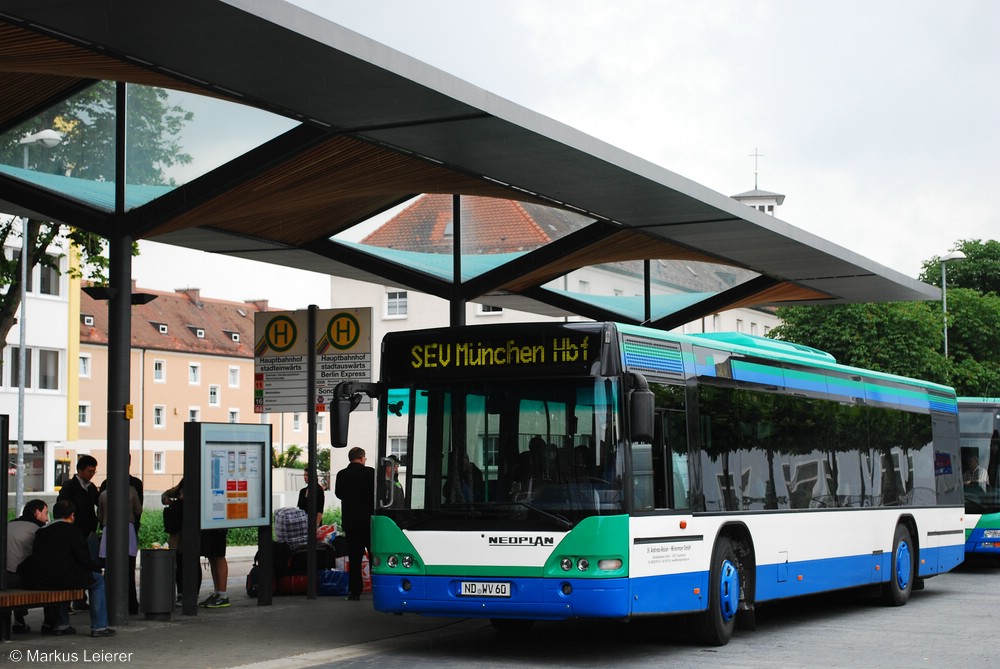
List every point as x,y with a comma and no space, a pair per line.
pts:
156,583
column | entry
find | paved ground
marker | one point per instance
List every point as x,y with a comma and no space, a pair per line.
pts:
293,632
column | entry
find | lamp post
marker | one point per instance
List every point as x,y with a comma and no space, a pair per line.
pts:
48,139
954,255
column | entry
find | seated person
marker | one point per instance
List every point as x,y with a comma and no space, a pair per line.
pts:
60,560
20,539
973,474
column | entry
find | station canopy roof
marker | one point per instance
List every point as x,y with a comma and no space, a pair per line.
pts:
302,130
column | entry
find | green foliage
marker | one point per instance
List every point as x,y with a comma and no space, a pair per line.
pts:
86,122
979,270
907,338
151,529
896,337
289,458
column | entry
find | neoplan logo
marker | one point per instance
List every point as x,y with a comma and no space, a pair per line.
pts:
521,541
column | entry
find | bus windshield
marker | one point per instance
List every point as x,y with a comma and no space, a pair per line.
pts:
515,454
980,457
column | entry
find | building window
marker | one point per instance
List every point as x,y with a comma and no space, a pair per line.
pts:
194,373
739,325
49,284
194,413
397,447
395,304
159,371
84,365
48,369
584,287
489,309
753,328
767,329
159,416
234,377
83,413
716,323
15,366
213,396
234,415
159,462
296,422
320,423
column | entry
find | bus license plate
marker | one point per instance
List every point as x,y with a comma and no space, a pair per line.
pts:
485,589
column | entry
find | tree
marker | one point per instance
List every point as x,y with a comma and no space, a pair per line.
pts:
979,270
896,337
288,458
86,122
907,338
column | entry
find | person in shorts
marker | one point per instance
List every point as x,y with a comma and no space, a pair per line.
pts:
213,547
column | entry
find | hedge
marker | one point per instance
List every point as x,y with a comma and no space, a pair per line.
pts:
151,529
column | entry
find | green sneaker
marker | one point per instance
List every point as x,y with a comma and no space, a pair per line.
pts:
217,602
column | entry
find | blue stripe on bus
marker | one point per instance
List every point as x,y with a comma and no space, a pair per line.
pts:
543,599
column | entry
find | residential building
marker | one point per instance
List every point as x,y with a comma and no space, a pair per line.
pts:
45,316
191,361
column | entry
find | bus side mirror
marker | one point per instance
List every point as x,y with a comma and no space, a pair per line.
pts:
346,398
642,410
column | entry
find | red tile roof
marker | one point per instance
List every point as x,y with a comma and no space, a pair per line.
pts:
489,225
184,313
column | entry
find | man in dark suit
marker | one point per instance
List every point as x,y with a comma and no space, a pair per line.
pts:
355,488
61,560
83,492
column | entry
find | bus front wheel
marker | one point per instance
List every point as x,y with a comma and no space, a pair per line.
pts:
896,591
716,624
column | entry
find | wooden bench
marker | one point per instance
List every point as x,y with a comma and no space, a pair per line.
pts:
26,599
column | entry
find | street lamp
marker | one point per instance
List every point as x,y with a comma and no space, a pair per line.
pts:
48,139
954,255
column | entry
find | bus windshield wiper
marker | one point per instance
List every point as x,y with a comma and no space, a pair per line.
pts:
562,521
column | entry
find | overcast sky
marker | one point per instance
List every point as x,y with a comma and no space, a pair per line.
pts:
877,119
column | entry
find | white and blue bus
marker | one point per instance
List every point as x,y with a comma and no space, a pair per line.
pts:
979,428
597,470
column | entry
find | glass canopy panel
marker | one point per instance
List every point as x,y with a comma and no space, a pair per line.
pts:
494,231
674,285
172,138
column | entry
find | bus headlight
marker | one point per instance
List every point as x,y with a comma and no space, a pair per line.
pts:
407,561
566,564
991,534
583,564
392,561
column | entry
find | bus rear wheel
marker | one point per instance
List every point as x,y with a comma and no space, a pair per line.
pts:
896,591
715,625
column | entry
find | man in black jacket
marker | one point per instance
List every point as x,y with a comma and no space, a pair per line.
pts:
355,488
61,560
83,492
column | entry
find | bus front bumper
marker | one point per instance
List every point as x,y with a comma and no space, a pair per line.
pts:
530,598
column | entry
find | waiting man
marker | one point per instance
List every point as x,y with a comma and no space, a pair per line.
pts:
83,492
355,488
